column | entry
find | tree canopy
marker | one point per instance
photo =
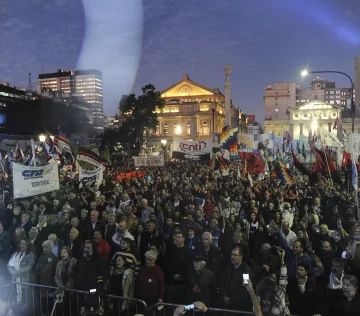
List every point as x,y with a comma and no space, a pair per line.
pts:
139,113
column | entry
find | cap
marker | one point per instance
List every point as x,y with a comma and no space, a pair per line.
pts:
198,258
265,247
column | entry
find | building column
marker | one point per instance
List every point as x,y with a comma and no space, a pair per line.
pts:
329,127
301,128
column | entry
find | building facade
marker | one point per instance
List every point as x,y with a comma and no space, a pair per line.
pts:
86,85
193,111
305,118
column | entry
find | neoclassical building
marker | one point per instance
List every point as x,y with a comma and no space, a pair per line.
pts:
306,117
192,111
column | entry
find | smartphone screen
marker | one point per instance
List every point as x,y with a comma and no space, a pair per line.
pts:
246,278
188,307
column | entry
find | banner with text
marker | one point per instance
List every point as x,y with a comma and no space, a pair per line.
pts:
149,161
353,146
91,176
30,181
191,150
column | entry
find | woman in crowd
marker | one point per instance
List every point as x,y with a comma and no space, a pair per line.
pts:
21,267
64,268
150,285
122,281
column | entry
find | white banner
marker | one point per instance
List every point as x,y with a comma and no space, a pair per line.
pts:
30,181
149,161
354,145
90,176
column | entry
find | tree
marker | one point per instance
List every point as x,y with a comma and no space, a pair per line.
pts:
140,114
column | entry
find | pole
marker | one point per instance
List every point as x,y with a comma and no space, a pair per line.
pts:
33,151
351,91
213,120
327,164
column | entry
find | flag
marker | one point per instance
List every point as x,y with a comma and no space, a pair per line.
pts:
337,123
88,155
332,169
303,151
283,174
229,140
253,164
287,142
355,182
64,144
298,165
238,174
329,139
243,172
49,145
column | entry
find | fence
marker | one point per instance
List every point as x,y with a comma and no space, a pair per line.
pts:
51,301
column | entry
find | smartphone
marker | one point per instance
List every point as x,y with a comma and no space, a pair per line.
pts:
246,278
188,307
93,291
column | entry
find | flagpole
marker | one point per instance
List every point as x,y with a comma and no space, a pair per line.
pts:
33,151
328,166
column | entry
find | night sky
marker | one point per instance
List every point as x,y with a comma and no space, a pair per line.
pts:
156,41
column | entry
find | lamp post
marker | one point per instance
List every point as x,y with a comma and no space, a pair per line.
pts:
306,72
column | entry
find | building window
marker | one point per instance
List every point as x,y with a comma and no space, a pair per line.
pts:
188,128
205,128
166,128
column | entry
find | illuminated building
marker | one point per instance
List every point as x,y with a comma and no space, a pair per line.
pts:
86,85
193,111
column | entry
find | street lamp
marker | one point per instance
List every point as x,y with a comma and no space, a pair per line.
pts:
42,138
306,72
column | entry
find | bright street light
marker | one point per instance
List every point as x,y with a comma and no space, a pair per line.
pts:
163,141
304,73
42,138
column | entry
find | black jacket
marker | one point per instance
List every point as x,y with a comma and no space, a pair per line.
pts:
302,304
231,286
86,273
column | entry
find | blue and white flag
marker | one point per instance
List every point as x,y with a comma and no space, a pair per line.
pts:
355,181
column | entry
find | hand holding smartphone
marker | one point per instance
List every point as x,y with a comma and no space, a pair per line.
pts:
246,278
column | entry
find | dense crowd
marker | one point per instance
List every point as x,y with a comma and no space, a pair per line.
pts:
183,234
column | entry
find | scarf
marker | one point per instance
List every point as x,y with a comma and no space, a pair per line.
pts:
15,261
334,282
302,283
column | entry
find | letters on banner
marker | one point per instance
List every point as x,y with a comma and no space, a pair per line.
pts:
149,161
30,181
90,176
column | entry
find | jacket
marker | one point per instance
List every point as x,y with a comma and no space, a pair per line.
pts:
26,272
58,272
128,287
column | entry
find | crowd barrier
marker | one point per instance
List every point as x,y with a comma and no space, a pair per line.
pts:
51,301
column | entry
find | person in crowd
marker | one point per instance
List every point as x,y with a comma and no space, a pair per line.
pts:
131,257
110,228
103,247
201,282
75,242
272,295
121,232
179,260
122,281
58,244
150,285
64,268
234,295
5,244
21,268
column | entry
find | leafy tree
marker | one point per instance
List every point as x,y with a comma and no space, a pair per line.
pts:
140,114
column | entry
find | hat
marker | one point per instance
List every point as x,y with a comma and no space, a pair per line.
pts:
198,258
265,247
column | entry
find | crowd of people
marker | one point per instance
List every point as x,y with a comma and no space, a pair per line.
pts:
184,234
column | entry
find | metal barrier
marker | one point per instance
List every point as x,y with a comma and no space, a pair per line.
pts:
167,309
44,300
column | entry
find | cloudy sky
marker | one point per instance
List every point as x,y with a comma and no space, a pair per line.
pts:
137,42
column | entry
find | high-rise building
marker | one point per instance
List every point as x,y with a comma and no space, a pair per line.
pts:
86,85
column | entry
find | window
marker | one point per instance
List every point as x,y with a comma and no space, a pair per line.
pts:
331,92
337,91
188,128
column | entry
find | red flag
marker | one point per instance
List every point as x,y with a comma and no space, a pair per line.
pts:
253,164
298,165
